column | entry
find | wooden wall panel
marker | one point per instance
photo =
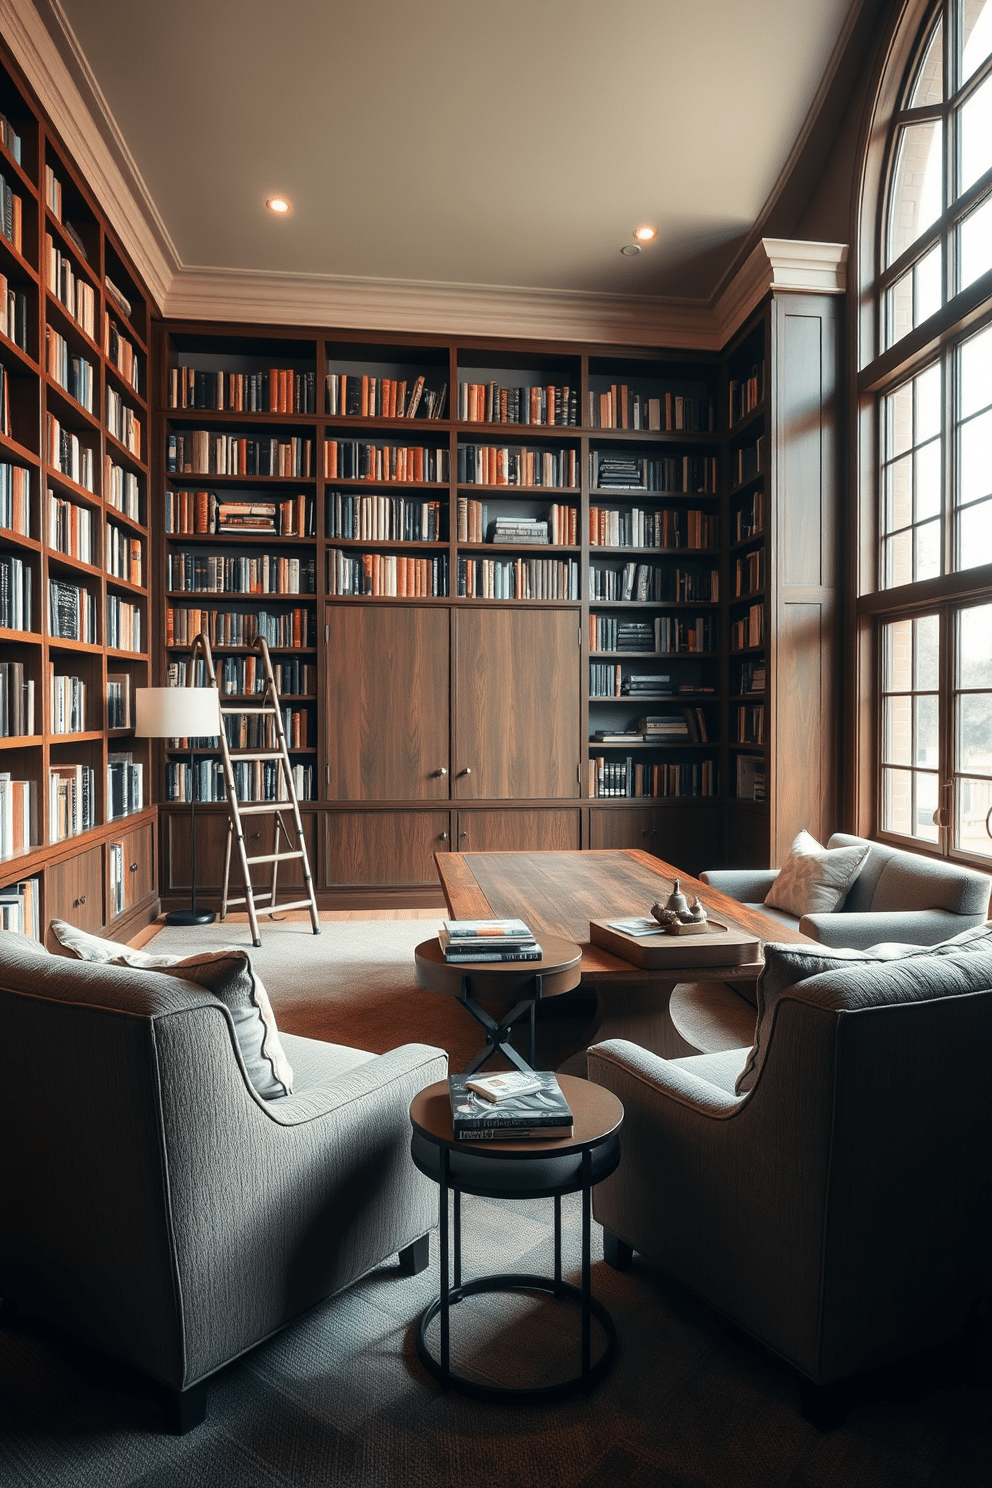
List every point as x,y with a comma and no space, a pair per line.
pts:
383,848
544,829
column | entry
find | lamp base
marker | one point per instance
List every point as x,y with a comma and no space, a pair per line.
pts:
190,917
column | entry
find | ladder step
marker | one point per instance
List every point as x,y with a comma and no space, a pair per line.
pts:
256,754
274,857
259,808
234,709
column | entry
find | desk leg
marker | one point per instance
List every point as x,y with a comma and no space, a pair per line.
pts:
638,1011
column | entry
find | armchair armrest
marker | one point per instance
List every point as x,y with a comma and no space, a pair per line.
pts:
406,1065
747,885
858,931
640,1077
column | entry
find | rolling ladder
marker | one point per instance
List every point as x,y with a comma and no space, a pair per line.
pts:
267,707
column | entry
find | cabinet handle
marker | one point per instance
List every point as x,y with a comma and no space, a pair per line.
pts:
134,867
444,836
467,770
462,836
441,770
76,903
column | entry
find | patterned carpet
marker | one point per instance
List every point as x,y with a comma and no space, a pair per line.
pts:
340,1400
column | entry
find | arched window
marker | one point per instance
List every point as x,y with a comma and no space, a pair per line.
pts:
925,394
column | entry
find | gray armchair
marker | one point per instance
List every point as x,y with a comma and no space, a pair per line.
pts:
829,1193
155,1203
897,896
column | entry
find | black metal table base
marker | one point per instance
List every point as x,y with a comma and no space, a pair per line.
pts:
498,1034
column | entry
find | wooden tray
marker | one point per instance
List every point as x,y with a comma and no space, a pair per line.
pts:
724,944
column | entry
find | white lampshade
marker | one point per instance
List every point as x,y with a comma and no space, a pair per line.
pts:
176,712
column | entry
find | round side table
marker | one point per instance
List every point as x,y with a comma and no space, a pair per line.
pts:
517,1170
558,970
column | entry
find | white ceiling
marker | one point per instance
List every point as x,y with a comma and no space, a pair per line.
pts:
511,142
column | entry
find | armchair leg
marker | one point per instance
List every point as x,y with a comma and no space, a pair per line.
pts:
616,1252
416,1257
186,1409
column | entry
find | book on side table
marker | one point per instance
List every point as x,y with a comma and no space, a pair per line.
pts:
538,1114
487,940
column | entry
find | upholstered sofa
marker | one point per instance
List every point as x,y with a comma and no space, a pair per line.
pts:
154,1201
828,1189
897,896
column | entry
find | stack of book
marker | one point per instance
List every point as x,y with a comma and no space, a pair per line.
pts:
517,530
510,1106
487,940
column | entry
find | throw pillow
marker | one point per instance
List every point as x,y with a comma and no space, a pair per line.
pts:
228,974
815,879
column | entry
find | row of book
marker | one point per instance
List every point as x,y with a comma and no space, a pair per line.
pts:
71,612
610,679
66,453
751,676
15,592
16,701
493,465
749,573
244,676
287,629
124,627
258,730
518,578
649,583
74,374
561,525
631,778
69,705
746,393
358,518
74,292
268,573
71,800
490,403
118,700
11,215
357,395
70,528
673,473
749,517
387,574
620,407
15,490
354,459
751,778
275,390
18,815
125,785
120,352
751,723
194,513
13,313
122,490
123,423
123,554
611,633
748,630
748,461
19,908
687,725
203,452
254,780
636,528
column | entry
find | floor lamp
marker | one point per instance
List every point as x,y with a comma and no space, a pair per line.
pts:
177,712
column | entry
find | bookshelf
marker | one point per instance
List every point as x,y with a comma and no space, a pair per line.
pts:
77,820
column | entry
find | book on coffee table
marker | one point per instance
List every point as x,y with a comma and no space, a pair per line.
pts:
542,1114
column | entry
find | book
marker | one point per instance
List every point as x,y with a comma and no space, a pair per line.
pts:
543,1113
476,929
455,957
499,1088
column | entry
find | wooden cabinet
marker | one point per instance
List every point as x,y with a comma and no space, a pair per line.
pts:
541,829
624,826
211,845
74,890
137,867
389,849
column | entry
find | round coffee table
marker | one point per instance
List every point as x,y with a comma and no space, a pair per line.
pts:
558,970
517,1170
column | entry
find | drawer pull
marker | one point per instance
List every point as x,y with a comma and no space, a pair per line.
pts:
134,867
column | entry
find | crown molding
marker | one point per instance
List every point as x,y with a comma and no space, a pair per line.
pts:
121,193
780,265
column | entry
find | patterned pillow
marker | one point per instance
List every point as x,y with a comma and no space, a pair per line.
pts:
228,974
815,879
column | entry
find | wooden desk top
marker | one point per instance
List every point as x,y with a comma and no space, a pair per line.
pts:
558,893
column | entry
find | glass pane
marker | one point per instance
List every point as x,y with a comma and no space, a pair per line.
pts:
897,655
976,373
974,654
899,494
929,84
924,826
897,801
899,309
976,35
974,733
975,474
929,286
927,741
897,559
917,195
899,421
927,639
927,564
898,731
973,802
928,480
975,244
975,136
928,410
975,538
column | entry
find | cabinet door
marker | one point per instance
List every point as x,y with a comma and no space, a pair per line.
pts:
383,848
516,704
541,830
624,826
387,703
74,890
139,865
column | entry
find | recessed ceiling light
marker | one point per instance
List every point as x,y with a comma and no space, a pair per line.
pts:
645,234
630,250
277,204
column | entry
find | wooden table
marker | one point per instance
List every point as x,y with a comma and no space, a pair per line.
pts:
558,893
